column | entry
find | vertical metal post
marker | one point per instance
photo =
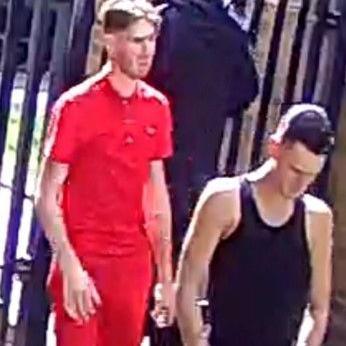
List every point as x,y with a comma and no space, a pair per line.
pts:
35,66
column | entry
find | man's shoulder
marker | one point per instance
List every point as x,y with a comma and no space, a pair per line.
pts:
319,222
316,206
220,203
223,184
150,93
80,93
221,190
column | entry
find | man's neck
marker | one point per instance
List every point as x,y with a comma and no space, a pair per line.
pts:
268,189
122,83
264,179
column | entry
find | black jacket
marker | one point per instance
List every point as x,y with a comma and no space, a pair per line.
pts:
203,65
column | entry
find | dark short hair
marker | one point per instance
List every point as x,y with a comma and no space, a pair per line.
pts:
311,129
117,20
118,15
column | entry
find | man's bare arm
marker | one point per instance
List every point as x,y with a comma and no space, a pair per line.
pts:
320,226
160,233
216,215
159,223
47,206
79,292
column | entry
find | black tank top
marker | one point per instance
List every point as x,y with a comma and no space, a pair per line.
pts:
260,280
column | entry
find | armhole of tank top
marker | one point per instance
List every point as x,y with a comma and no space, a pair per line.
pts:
239,192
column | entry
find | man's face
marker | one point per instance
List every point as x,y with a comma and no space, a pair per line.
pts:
297,168
133,49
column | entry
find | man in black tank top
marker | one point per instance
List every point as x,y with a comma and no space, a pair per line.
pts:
264,244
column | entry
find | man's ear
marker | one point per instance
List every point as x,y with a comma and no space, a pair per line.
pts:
109,41
273,147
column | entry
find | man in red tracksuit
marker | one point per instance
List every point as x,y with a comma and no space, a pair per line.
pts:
104,150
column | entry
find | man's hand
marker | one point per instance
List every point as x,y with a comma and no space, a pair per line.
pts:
316,335
314,339
80,294
164,311
204,340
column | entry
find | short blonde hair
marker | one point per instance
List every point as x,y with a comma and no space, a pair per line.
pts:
119,14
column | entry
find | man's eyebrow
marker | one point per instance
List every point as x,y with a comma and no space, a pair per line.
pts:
140,37
301,170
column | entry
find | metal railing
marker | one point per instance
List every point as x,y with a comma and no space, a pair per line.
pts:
58,38
300,48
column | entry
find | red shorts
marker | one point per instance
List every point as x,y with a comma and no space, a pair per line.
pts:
123,284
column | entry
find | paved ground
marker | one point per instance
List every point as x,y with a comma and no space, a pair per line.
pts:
51,340
146,342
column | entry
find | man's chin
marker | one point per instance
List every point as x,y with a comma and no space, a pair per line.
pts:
138,75
292,195
143,73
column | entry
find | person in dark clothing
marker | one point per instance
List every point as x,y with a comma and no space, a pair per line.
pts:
204,67
266,245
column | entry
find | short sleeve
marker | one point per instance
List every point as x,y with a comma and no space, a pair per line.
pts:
163,146
62,134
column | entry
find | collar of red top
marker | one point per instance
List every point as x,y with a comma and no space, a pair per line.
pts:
137,94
